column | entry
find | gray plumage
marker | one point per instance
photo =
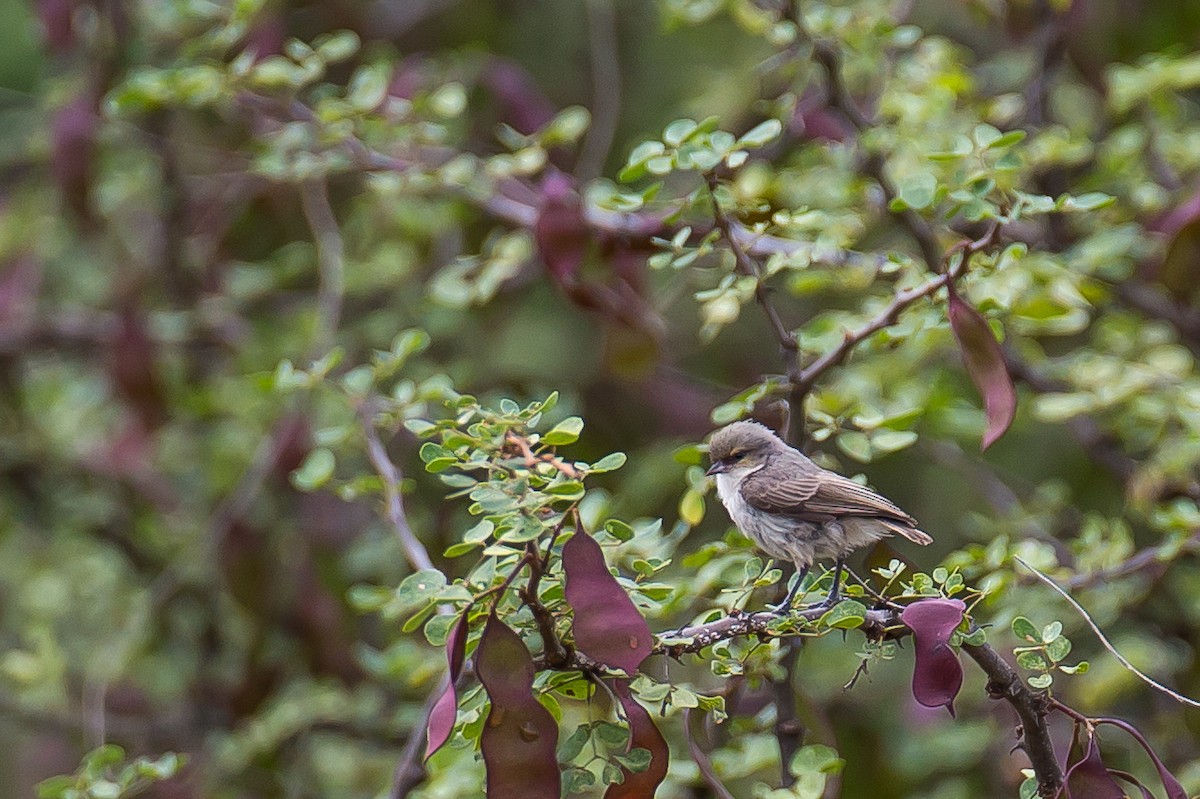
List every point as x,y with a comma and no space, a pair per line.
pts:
790,507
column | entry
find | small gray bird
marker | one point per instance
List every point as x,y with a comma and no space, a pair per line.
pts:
792,508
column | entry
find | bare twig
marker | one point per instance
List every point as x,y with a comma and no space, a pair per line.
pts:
553,650
702,760
838,97
1004,683
891,314
1178,697
314,196
414,550
606,88
789,730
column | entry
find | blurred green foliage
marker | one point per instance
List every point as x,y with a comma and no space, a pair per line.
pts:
253,255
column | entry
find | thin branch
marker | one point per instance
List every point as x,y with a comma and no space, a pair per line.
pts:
1178,697
1160,556
789,730
1031,707
873,165
414,550
410,768
606,88
331,250
789,347
554,651
702,760
890,315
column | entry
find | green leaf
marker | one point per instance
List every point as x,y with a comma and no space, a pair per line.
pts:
1059,648
636,759
1023,629
691,507
577,780
315,471
618,529
1079,668
1032,661
565,432
1041,681
761,134
573,744
421,587
1051,631
608,463
848,614
917,191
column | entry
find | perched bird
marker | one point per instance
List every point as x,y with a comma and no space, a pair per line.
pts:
792,508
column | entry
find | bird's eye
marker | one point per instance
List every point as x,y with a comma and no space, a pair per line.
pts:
737,456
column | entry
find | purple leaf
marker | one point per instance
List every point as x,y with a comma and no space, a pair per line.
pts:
522,104
643,734
561,233
73,140
1132,780
985,364
1179,271
1171,785
520,736
1089,779
607,626
937,674
445,710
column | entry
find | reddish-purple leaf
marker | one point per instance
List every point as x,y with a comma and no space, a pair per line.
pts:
1089,779
58,24
985,364
937,674
519,736
445,710
643,734
522,103
1171,785
1132,780
607,626
1179,270
561,232
73,139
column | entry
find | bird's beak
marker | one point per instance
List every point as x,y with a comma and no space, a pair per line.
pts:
716,468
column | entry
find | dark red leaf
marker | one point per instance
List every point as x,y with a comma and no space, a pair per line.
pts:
134,369
643,734
607,626
445,710
1179,270
1089,779
937,674
58,24
985,364
520,736
522,103
73,139
561,232
1171,785
1132,780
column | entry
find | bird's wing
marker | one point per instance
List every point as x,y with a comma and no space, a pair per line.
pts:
841,496
778,490
815,494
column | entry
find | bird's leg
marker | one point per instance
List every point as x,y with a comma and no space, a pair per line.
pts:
786,604
836,591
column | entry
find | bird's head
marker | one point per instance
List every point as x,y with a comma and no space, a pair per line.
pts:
741,447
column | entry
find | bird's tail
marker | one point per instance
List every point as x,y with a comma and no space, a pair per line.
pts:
911,533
